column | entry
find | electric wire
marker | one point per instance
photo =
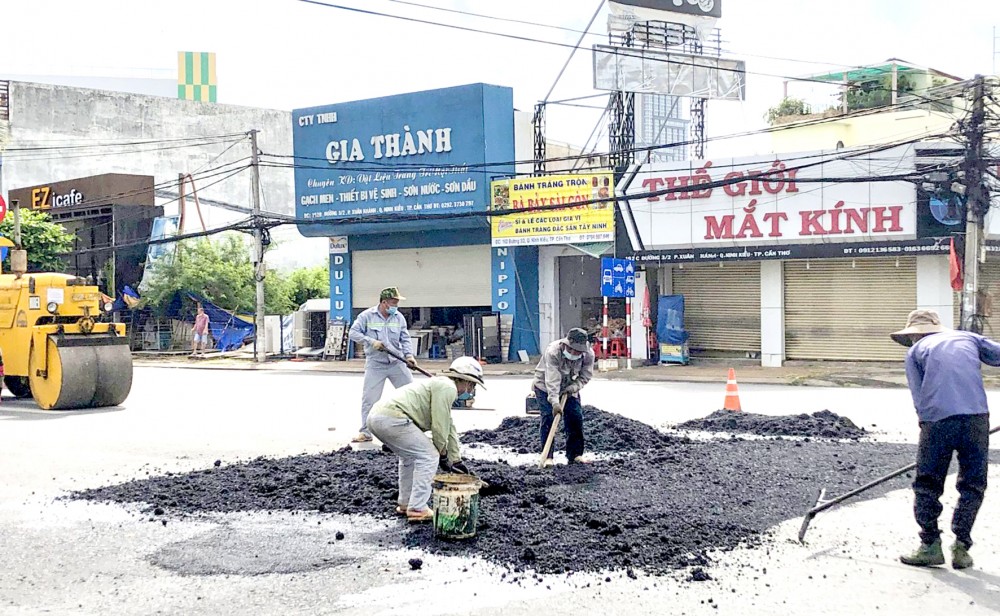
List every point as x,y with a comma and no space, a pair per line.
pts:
400,166
71,144
619,51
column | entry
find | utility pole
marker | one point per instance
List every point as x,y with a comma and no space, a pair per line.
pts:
259,354
977,203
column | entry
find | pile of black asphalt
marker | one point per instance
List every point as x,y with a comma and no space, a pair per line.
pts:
822,424
605,433
663,504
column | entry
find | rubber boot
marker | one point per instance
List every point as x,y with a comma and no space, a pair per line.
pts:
927,555
960,558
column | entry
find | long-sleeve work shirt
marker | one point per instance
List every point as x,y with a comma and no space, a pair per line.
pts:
554,372
428,405
944,374
391,331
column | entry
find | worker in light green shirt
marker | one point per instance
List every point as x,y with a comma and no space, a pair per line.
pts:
401,421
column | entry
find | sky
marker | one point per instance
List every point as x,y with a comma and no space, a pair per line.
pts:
287,54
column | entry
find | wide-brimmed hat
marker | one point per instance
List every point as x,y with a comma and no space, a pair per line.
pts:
577,339
919,322
390,293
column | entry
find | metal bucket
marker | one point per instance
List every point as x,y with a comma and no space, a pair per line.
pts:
455,502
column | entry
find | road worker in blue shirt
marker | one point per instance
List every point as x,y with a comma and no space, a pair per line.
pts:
944,374
381,329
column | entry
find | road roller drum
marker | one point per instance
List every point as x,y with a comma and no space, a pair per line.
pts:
58,345
83,371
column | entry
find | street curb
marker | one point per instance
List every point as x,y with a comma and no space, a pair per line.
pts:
838,381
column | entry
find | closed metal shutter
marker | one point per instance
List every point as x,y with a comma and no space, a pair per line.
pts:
427,277
721,305
844,309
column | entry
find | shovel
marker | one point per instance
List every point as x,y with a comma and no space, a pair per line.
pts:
396,355
552,434
823,505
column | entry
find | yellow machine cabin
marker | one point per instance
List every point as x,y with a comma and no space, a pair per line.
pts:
54,348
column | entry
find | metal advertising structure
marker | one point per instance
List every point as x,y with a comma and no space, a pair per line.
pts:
700,14
651,71
591,222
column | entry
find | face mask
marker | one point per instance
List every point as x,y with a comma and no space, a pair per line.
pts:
571,356
465,395
392,310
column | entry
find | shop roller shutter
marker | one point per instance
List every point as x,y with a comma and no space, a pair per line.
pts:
844,309
427,277
721,305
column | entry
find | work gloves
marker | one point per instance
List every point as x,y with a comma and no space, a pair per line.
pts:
378,345
557,408
453,467
572,389
411,361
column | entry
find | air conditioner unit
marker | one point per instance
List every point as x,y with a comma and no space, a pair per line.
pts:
302,333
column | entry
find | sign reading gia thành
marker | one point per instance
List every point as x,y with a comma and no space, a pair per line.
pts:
515,222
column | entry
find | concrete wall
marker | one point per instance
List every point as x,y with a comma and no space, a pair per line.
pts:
934,287
772,314
872,129
48,115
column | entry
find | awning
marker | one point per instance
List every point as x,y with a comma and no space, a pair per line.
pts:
595,249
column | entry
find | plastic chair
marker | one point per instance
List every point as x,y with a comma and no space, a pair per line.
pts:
617,348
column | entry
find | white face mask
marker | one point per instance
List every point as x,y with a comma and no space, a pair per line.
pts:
571,356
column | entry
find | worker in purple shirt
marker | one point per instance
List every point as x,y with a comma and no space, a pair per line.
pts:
944,374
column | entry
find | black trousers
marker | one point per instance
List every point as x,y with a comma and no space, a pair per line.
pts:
968,436
572,423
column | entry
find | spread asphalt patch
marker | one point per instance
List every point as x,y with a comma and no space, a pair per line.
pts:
656,508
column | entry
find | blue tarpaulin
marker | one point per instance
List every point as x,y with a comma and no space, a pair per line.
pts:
127,300
228,331
670,320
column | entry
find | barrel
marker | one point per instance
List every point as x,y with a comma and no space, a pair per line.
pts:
455,502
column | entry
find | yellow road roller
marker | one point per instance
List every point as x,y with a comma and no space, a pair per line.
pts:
54,347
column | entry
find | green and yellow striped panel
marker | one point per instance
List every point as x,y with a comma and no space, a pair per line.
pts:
196,76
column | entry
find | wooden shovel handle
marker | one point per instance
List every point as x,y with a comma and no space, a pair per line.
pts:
552,434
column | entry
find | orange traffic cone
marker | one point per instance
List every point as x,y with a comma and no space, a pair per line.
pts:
732,393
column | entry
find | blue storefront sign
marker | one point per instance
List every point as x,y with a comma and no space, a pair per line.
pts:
617,277
394,164
340,286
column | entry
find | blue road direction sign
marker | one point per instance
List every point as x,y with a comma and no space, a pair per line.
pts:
617,277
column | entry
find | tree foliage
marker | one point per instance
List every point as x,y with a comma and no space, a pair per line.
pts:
309,283
43,239
877,93
787,107
221,272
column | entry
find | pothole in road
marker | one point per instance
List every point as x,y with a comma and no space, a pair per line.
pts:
255,550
